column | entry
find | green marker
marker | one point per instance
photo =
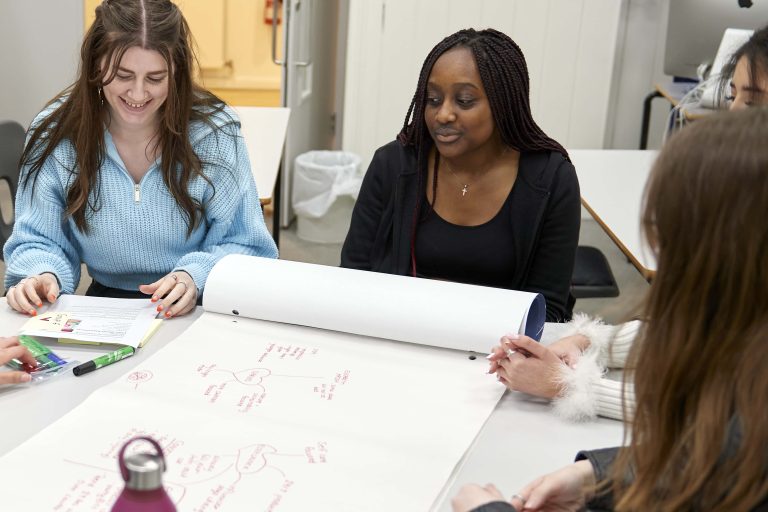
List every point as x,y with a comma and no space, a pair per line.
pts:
104,360
43,355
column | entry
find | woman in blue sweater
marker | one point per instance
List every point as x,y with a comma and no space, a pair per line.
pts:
133,170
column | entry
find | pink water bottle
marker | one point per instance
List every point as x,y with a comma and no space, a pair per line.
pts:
143,475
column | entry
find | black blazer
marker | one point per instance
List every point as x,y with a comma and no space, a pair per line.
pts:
546,216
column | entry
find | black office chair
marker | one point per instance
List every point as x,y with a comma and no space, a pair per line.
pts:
11,146
592,276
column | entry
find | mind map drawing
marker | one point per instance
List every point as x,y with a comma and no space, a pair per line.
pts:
199,481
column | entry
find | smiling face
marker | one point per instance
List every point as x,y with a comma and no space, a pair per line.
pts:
457,113
139,89
744,93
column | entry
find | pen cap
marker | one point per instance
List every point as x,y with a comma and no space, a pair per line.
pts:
142,471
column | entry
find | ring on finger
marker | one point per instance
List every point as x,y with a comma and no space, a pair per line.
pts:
518,497
186,287
175,277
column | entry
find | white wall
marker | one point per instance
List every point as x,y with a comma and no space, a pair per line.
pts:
640,66
39,53
570,47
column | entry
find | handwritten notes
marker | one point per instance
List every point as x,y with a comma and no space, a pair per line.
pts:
255,415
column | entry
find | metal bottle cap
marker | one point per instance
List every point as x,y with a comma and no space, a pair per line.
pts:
145,471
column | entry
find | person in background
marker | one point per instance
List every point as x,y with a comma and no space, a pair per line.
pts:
135,171
570,371
744,78
697,437
472,190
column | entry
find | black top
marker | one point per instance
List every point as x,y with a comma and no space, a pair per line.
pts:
544,220
467,254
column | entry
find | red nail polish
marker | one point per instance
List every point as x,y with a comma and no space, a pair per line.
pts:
39,304
167,314
160,307
154,299
33,313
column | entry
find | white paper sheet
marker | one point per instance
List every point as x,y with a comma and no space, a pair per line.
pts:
256,415
423,311
94,320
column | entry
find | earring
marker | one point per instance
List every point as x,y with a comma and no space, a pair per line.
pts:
101,97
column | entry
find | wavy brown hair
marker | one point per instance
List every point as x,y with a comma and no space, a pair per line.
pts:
699,435
80,116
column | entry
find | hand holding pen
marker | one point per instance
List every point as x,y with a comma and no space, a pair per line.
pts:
10,349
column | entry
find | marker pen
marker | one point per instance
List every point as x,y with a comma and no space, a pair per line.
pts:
44,355
104,360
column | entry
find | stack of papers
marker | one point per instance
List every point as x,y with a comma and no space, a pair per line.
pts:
95,320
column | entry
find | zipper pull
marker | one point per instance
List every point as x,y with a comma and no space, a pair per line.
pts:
137,193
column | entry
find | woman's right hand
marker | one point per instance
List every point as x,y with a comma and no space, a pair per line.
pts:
25,296
11,349
567,489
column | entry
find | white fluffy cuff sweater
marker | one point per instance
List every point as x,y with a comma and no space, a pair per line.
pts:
587,391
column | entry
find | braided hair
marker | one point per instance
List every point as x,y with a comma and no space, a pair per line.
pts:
504,75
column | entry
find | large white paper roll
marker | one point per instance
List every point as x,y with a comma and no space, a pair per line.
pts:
428,312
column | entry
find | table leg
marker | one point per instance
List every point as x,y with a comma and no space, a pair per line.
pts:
647,118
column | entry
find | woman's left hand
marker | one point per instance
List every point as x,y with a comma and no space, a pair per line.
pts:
471,496
523,364
176,292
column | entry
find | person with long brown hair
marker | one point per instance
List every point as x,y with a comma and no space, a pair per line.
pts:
134,170
697,439
472,190
570,371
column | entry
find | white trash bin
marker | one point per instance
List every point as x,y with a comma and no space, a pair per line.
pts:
325,188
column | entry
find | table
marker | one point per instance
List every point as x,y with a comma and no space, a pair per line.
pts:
520,441
673,92
612,182
264,130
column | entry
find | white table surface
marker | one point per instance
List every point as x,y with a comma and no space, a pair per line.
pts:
520,441
264,130
612,183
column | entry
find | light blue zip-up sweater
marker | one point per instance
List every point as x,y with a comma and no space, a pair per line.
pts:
138,233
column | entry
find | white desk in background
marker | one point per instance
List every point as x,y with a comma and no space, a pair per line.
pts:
264,130
521,440
612,182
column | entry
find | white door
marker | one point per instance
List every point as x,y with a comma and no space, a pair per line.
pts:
311,40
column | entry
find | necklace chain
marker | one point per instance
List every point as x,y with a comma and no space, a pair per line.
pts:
464,186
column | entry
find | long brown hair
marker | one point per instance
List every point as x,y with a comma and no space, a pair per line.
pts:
700,430
81,116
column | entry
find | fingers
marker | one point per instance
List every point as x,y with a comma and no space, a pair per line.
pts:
150,289
51,287
184,305
493,491
14,377
531,346
496,354
177,293
9,341
17,352
24,297
528,493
